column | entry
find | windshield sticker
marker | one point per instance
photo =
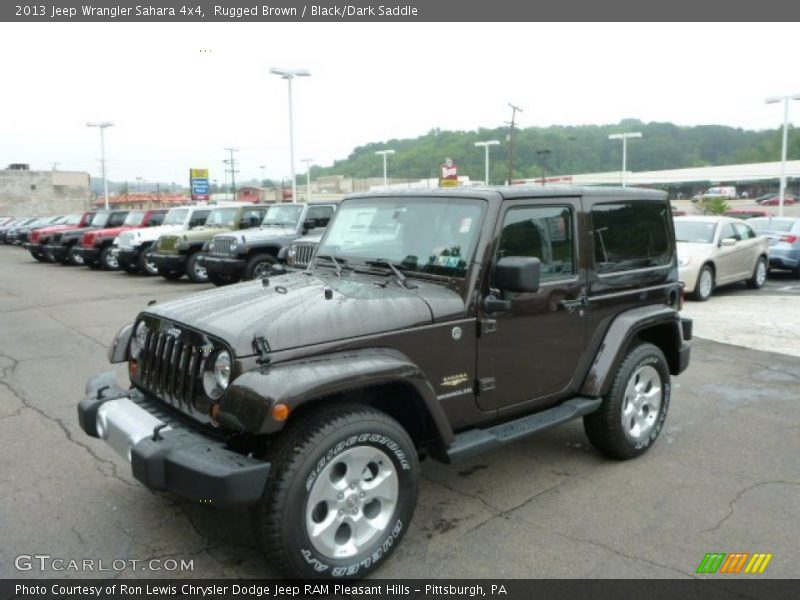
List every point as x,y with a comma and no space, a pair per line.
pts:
466,225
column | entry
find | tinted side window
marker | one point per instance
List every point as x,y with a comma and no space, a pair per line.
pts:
198,218
156,219
630,235
320,214
116,219
544,232
251,218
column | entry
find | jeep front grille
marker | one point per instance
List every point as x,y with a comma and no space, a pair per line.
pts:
171,368
167,243
303,254
222,246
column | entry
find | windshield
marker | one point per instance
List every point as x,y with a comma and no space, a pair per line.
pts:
426,235
222,217
696,232
100,219
285,215
771,224
134,218
72,219
176,216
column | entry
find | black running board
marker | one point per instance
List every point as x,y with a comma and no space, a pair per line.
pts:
476,441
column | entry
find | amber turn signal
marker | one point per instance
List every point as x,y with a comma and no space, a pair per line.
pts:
280,412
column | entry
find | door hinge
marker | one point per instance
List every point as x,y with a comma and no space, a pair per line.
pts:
486,384
487,326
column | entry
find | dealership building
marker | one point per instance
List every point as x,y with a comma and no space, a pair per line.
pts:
36,193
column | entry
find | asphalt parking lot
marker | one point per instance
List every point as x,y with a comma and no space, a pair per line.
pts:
724,477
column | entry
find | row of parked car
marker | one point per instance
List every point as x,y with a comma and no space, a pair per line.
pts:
232,242
223,243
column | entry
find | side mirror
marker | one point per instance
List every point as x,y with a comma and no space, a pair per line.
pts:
728,242
517,274
309,224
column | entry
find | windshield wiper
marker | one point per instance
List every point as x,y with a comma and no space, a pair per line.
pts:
334,260
401,279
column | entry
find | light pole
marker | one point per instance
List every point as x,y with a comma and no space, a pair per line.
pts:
785,100
308,162
139,184
101,125
288,75
232,163
544,153
624,137
485,146
385,153
263,174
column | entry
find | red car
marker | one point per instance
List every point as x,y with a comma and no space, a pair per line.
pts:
745,213
39,237
96,245
776,200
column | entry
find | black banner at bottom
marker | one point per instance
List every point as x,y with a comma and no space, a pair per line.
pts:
408,589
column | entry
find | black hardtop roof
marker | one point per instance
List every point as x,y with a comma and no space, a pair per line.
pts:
512,192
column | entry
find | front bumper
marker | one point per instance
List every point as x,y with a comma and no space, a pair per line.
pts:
688,276
128,257
165,453
169,262
89,255
685,350
34,249
222,264
58,251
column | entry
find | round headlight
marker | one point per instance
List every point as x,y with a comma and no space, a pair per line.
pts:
138,340
222,370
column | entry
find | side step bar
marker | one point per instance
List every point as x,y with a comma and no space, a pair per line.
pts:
476,441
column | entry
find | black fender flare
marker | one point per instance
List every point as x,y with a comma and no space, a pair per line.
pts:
618,337
248,402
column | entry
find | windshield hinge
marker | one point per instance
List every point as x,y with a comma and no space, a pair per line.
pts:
486,326
486,384
261,348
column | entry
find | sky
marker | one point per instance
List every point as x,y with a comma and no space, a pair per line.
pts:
179,94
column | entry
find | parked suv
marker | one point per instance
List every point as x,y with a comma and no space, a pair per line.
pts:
18,235
299,253
38,238
177,254
446,322
63,246
96,246
252,254
133,248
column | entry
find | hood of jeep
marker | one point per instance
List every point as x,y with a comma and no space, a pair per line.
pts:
203,233
293,312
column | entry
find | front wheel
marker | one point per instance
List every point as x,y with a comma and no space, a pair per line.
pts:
633,411
195,270
759,276
108,259
341,493
73,257
259,266
145,261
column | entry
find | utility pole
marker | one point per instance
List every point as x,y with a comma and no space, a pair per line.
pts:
543,154
511,144
232,162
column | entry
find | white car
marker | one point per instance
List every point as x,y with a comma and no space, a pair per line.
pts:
132,247
715,251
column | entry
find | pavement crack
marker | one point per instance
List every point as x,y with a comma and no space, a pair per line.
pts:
738,497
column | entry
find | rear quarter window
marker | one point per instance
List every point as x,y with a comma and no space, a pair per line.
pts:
630,235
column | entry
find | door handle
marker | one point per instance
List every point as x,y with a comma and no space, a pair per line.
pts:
571,305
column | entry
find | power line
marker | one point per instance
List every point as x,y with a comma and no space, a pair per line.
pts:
511,144
232,170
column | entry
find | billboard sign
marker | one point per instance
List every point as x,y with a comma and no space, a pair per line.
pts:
198,184
449,177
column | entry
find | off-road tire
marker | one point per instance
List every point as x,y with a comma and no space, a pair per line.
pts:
259,265
170,274
105,259
39,257
142,262
129,268
759,276
220,279
197,273
699,293
300,459
604,427
48,256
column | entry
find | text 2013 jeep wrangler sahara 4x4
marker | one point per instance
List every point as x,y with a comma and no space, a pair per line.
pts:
444,323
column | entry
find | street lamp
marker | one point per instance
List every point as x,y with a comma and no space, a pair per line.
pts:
308,162
139,184
485,146
263,174
288,75
101,125
785,100
624,137
385,153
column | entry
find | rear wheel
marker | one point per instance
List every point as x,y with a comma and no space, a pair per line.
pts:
145,261
341,493
259,266
759,276
48,255
73,258
39,257
108,259
634,410
705,284
195,270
